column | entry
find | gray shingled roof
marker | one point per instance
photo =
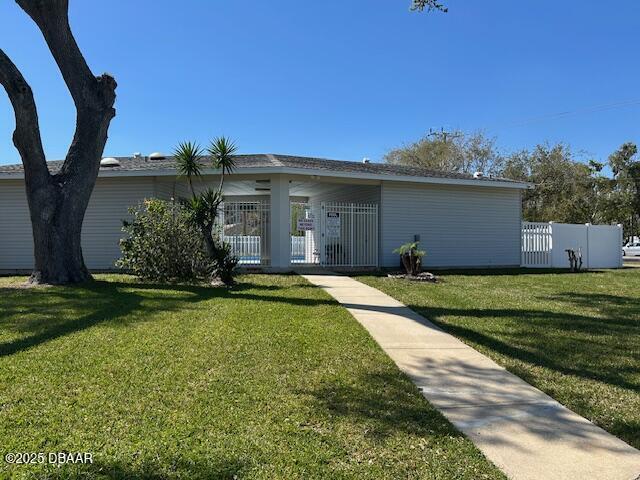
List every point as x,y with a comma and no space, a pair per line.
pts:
267,160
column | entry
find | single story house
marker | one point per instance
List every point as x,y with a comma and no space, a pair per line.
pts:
281,211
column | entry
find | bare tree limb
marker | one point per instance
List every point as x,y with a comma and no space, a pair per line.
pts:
26,136
428,5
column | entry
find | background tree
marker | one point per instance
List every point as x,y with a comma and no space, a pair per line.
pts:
564,187
58,201
450,152
626,188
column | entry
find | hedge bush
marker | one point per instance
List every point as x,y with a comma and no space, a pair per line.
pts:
163,245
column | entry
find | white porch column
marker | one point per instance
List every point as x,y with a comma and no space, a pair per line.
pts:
280,223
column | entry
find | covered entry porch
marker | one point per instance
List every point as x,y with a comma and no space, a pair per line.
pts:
282,221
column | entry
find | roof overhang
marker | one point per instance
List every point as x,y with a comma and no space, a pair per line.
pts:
307,172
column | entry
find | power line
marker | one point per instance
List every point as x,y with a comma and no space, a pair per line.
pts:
579,111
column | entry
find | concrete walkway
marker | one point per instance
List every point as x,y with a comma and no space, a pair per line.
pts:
524,432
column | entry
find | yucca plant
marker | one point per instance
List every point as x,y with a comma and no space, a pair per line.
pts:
203,207
222,150
188,156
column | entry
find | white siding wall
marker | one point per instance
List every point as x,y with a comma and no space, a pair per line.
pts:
167,188
346,193
458,226
102,228
16,241
101,231
164,188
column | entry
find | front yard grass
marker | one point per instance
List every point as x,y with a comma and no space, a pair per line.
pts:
269,380
574,336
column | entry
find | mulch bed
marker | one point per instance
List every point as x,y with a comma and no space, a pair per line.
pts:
421,277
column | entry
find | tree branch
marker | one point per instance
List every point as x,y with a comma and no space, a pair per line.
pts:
52,18
93,97
428,5
26,136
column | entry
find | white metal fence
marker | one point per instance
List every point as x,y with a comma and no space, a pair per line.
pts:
245,226
335,234
349,235
304,243
248,247
297,248
544,245
330,234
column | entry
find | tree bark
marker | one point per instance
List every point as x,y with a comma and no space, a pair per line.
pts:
57,202
57,240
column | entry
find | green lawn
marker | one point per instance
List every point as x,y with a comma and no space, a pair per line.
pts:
269,380
574,336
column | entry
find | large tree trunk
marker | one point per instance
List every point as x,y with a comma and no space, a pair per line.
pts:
57,202
57,230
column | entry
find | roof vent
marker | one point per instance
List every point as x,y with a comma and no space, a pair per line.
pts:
157,156
366,160
109,162
478,175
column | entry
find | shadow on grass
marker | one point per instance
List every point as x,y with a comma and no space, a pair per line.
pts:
204,468
382,402
611,307
571,344
39,315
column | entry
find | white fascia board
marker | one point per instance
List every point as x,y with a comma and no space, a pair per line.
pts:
308,173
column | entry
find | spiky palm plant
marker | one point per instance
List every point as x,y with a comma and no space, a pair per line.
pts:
203,207
411,257
222,150
188,156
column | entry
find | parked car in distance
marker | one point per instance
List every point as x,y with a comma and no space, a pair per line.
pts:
631,249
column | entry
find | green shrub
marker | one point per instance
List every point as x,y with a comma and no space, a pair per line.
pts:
163,245
411,257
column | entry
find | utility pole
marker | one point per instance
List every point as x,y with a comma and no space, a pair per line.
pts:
443,134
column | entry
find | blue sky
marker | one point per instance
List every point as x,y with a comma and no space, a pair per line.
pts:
341,79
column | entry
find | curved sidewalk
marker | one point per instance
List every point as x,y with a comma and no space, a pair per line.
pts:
523,431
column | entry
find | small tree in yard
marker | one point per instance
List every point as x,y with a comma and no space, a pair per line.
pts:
203,207
411,258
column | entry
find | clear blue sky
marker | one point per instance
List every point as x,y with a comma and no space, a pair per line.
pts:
341,78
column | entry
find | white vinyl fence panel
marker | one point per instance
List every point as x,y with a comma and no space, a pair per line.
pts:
246,247
536,245
544,245
605,246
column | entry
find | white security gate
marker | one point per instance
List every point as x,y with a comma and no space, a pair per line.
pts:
334,234
536,244
245,226
348,235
